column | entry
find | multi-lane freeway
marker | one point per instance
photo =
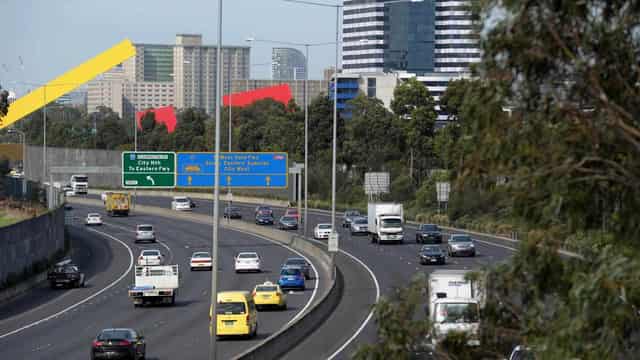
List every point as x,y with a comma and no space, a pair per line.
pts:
60,324
390,265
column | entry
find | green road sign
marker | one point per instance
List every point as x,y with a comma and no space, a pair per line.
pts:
148,169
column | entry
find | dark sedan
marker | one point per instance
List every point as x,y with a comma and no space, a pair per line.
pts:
429,233
118,344
264,219
432,254
288,223
232,212
299,263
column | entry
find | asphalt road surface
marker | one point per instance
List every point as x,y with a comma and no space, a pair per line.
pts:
60,324
393,265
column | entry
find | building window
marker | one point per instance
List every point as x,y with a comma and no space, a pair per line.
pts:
371,87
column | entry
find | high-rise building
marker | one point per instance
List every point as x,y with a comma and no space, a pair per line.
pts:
315,87
195,70
153,62
379,37
288,64
457,42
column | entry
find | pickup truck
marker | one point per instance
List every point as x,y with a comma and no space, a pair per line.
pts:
66,274
154,284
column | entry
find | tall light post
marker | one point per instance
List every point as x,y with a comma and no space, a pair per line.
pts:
24,158
306,114
216,193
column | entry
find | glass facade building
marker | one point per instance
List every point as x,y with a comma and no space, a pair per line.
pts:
158,62
288,64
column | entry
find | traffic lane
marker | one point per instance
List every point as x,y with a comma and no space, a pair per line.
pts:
160,325
101,261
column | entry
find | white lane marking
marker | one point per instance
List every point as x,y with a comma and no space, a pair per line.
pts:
368,318
158,241
85,299
317,276
494,244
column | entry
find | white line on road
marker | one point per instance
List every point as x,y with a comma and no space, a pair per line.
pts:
133,231
35,323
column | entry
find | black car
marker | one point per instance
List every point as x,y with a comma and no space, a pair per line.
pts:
264,219
66,274
232,212
192,203
263,209
432,254
429,233
118,344
298,263
288,223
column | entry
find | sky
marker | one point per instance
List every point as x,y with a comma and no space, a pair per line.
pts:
44,38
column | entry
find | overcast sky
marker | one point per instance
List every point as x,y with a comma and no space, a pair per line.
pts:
44,38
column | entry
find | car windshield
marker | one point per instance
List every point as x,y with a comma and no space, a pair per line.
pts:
360,221
429,227
296,262
94,215
292,211
288,219
266,288
230,308
462,238
352,213
201,255
290,271
182,200
115,335
264,215
431,250
523,355
151,253
247,256
145,228
391,222
452,313
324,226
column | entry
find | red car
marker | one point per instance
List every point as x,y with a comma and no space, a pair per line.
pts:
293,212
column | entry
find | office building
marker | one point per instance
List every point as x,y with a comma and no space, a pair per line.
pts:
153,62
143,95
288,64
195,70
379,37
315,87
457,42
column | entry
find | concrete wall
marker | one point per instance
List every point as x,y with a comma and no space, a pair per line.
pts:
102,166
27,242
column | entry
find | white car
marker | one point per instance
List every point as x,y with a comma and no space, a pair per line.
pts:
201,260
145,232
93,219
181,203
247,261
150,257
322,231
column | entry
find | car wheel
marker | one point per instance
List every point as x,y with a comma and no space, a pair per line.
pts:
192,269
52,284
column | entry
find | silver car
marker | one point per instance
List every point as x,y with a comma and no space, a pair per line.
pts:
359,225
348,217
145,232
461,244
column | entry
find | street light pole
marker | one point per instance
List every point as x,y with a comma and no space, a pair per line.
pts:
44,136
216,194
229,94
306,137
335,132
23,136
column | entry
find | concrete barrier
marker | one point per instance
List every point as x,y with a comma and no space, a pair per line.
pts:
28,246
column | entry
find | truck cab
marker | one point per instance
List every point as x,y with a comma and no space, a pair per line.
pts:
385,222
454,305
79,184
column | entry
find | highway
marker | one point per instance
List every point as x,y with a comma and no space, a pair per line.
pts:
60,324
392,265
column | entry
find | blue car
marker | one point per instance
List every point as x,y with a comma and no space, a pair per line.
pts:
291,278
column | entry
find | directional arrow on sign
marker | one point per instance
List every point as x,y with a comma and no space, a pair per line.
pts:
228,180
151,179
268,179
189,179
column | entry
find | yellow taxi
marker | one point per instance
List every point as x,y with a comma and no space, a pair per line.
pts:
236,314
269,294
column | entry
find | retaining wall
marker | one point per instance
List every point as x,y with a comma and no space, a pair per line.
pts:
24,244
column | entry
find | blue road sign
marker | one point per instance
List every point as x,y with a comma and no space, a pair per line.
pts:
237,170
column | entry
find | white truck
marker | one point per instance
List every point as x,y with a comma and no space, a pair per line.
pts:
454,305
385,222
155,284
79,184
